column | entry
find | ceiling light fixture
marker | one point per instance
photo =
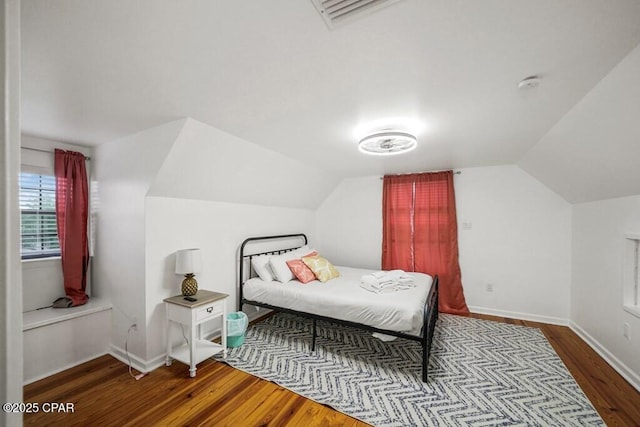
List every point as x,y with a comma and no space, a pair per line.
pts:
387,142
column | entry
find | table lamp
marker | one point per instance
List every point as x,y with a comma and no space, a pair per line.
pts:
189,262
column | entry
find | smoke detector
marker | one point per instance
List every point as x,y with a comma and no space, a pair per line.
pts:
530,82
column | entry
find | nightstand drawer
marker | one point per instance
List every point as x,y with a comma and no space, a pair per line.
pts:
209,311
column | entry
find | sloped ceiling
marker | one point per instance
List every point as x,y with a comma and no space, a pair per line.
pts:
593,153
207,164
272,73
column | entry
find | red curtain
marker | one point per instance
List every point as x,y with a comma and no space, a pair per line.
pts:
72,207
420,232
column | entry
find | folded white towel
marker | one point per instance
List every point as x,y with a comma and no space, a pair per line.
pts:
388,287
377,290
379,274
387,281
371,282
385,275
395,274
384,282
403,286
369,279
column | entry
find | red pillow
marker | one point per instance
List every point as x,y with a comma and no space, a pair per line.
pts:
300,269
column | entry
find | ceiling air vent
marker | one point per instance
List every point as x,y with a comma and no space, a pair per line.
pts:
336,12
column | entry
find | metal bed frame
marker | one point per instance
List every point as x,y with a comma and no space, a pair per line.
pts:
430,309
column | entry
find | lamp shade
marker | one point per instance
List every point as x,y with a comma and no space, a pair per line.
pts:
188,261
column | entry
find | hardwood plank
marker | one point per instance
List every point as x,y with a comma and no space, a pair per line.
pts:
172,390
105,394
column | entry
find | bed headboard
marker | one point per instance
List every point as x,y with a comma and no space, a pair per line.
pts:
268,245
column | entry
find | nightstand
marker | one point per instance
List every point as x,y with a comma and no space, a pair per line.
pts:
209,305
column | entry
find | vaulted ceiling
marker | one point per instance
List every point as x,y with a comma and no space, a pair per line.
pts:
272,73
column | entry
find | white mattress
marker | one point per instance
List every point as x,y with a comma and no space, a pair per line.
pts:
343,298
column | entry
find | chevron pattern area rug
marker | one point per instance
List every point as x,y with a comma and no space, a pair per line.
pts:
481,373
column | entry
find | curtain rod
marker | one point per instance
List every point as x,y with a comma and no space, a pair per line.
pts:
47,151
411,173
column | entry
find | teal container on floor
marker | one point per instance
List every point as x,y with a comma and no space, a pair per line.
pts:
235,341
237,323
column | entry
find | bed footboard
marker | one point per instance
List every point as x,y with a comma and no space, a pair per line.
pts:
428,326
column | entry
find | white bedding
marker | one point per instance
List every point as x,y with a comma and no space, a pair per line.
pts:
343,298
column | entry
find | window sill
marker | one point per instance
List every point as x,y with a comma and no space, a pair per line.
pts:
50,258
48,316
632,309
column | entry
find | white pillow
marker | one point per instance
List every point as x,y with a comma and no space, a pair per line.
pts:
261,266
304,250
280,269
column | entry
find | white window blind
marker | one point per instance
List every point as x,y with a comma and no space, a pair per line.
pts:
632,274
38,230
635,285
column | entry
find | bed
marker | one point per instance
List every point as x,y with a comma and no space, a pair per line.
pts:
410,314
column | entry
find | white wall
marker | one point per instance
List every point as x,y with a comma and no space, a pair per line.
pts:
58,346
599,230
218,228
520,239
42,282
349,223
124,171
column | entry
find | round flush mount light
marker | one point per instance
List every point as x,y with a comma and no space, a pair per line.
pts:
387,143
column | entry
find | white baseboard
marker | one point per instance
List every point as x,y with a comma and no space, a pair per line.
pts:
631,377
520,316
136,363
149,365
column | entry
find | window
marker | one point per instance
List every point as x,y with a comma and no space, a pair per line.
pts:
418,218
632,274
38,229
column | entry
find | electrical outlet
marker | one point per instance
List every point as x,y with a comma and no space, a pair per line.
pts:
489,287
134,323
625,331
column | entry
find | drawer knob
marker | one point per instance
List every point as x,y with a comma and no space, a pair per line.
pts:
209,310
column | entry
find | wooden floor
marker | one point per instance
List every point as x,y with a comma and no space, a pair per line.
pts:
103,393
